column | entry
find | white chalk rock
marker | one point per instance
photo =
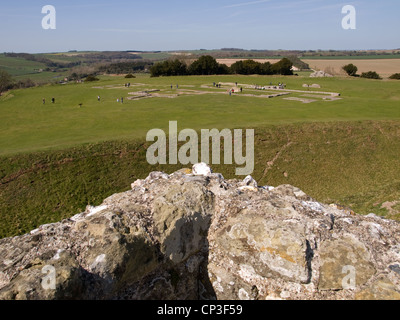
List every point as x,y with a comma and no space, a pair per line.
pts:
249,181
137,184
201,169
94,210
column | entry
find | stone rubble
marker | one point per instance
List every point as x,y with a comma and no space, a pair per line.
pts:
194,235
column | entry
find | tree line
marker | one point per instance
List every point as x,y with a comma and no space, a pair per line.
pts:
125,67
207,65
351,70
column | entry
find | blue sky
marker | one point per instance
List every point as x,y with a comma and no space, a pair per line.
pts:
202,24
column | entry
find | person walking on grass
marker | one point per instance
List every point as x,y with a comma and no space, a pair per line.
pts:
44,101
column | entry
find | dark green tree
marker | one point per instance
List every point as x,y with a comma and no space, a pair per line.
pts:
350,69
395,76
237,67
283,67
246,67
91,77
169,68
205,65
6,81
157,69
177,68
223,69
266,68
371,75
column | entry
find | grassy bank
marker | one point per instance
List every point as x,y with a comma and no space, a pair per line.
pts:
350,163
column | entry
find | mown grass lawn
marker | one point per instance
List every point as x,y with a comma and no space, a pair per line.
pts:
28,125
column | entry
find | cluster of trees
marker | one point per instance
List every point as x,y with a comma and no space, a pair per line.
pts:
7,82
351,70
169,68
125,67
207,65
107,56
283,67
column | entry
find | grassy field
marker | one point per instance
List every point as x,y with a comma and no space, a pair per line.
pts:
57,158
28,125
21,69
20,66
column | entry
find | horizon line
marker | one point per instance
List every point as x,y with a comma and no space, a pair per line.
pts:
200,49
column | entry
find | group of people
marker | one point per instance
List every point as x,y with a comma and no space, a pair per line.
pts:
118,99
233,90
218,85
52,100
127,85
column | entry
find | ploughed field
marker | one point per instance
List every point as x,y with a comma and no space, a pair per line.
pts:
384,67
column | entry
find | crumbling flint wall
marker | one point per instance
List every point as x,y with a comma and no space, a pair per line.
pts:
194,235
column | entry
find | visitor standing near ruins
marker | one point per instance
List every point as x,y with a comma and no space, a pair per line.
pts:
53,100
44,101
